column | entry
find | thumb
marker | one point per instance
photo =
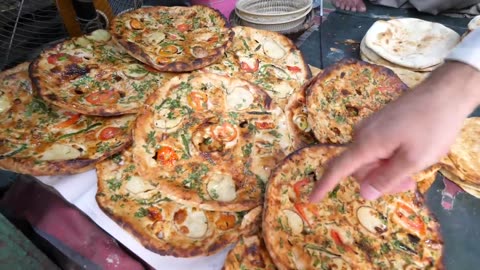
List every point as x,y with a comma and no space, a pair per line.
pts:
388,177
340,167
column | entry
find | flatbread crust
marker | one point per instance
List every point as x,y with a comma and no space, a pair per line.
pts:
426,178
344,231
474,23
249,253
411,43
210,141
346,93
160,224
267,59
296,112
91,75
41,140
174,39
409,77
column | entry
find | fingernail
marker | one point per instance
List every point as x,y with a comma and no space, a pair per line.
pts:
369,192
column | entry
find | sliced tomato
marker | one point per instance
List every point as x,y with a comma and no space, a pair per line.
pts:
264,125
54,58
136,24
338,241
183,27
109,133
70,121
213,39
300,207
197,100
103,97
168,50
154,214
410,218
294,69
167,156
226,132
247,68
297,187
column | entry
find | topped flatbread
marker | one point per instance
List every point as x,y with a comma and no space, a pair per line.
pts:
346,93
210,141
411,43
464,156
296,112
90,75
173,39
41,140
267,59
249,253
160,224
344,231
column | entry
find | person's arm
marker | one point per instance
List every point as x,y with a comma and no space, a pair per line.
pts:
411,133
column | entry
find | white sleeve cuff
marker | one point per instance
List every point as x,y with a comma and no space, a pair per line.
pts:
468,50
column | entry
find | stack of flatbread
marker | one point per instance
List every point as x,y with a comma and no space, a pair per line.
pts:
412,48
461,165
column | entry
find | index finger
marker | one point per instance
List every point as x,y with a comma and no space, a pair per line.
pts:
340,167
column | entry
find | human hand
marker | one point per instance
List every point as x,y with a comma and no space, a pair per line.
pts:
407,135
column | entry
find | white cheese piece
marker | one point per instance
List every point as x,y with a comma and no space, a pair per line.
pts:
370,219
239,98
167,123
273,50
135,71
60,152
196,222
295,222
221,187
283,90
155,38
137,185
100,35
82,42
5,103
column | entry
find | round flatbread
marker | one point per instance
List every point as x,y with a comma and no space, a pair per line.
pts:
411,43
267,59
344,231
211,142
346,93
41,140
92,76
377,59
249,253
173,39
464,154
160,224
296,112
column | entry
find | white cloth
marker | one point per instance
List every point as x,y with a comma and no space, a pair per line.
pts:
80,190
468,51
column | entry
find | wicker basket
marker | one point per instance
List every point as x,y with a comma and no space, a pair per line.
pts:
274,8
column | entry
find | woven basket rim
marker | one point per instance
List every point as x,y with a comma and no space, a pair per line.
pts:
239,5
273,22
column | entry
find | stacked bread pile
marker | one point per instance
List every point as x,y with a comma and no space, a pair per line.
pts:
461,165
412,48
472,25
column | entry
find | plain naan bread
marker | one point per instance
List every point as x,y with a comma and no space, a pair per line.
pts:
411,43
409,77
